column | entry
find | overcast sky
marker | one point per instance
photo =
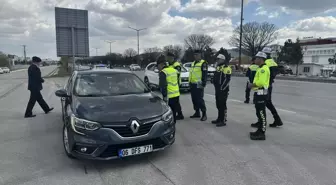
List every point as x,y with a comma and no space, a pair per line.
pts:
32,22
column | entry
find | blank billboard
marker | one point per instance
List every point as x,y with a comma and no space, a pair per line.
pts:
66,20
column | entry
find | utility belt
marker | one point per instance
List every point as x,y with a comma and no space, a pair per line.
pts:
198,84
262,91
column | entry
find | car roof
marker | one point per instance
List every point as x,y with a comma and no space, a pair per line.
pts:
112,71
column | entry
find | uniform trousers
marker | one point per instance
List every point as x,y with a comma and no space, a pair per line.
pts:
197,97
36,96
260,106
221,99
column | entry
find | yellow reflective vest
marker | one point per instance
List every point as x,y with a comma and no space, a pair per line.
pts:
195,72
262,78
271,63
173,89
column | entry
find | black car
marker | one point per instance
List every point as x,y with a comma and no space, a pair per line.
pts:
111,114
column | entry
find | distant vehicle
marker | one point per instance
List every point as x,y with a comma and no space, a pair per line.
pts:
99,66
1,71
285,70
110,114
152,77
211,70
134,67
6,70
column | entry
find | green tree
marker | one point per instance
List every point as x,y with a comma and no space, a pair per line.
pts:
291,53
199,41
177,50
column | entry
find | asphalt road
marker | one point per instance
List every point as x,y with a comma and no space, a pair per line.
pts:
301,152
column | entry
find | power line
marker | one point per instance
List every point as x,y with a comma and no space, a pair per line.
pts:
137,30
110,42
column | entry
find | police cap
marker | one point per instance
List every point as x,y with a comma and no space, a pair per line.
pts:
36,59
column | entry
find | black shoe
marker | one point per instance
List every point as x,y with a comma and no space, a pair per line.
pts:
50,109
204,116
246,101
257,135
180,117
196,115
215,121
221,124
255,125
30,116
277,123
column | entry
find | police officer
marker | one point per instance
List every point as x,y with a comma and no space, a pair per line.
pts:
250,74
168,82
176,65
260,85
198,78
273,66
221,82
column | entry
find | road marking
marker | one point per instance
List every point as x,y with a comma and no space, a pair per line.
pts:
284,110
18,70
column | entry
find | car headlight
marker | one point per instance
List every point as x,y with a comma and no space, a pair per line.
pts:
77,123
168,116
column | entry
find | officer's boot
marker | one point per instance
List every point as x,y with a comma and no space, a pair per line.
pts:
277,122
222,121
216,120
247,101
179,116
255,125
204,116
196,115
257,135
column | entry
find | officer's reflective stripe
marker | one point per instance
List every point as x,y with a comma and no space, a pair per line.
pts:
173,92
173,84
171,74
262,91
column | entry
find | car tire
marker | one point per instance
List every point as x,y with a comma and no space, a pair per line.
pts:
66,144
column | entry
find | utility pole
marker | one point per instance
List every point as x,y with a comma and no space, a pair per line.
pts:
96,51
110,42
24,53
241,31
138,30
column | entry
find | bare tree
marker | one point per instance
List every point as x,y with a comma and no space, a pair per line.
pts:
177,50
198,41
255,36
150,54
130,52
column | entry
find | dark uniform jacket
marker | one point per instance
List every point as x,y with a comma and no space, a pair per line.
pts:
221,79
35,79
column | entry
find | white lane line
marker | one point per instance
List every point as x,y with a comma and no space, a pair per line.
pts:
239,101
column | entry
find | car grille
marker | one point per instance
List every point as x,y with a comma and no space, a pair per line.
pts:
112,150
126,131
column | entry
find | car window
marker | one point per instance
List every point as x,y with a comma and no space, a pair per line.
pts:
183,69
150,67
108,84
187,65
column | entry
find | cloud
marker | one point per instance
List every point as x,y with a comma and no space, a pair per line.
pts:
32,22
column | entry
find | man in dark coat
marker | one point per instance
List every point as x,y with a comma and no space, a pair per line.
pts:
35,81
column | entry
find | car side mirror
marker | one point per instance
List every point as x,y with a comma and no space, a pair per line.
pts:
61,93
156,70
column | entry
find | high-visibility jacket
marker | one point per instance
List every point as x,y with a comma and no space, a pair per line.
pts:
251,71
173,89
176,64
262,79
195,72
273,67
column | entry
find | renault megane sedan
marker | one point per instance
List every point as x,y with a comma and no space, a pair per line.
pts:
110,114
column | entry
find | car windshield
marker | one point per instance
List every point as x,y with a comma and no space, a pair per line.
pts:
108,84
183,69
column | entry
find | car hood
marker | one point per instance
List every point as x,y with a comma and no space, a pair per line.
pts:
116,109
211,69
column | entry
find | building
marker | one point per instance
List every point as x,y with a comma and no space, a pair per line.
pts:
318,51
275,49
308,69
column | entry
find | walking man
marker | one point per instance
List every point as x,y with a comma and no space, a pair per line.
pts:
35,81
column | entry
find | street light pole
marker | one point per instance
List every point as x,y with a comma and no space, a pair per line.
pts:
96,51
110,42
138,30
24,53
241,30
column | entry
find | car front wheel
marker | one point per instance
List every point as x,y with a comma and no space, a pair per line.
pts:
66,142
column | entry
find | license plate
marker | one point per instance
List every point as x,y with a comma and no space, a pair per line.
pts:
135,150
185,85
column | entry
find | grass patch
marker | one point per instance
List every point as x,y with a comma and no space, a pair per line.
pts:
59,72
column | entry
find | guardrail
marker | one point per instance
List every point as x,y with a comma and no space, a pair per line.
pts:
320,80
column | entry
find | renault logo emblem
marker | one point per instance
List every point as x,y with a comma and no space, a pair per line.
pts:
135,126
